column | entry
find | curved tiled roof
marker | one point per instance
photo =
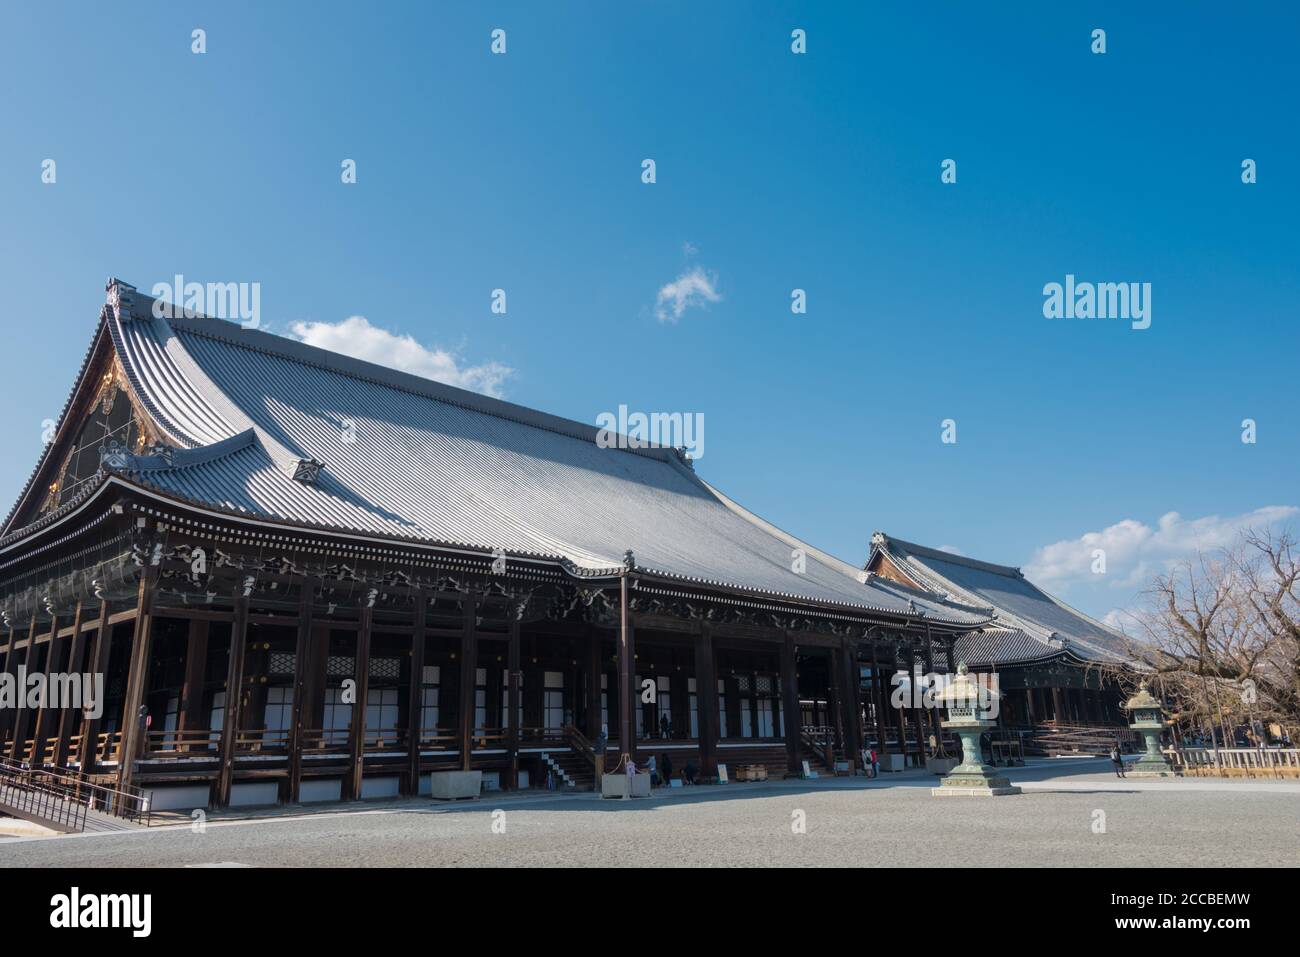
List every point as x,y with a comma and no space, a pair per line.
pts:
410,458
1031,624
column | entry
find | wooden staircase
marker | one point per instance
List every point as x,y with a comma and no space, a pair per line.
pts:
573,771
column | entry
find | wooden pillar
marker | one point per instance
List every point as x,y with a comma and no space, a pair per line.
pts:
852,678
414,726
302,659
627,697
41,726
879,697
468,670
1058,705
234,697
20,712
706,702
87,753
6,666
900,713
935,728
513,675
595,668
357,727
196,661
837,692
137,679
67,715
790,705
918,711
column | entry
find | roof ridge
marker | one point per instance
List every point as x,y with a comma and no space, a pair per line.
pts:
295,350
1010,571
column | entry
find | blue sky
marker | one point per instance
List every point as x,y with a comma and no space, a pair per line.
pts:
775,171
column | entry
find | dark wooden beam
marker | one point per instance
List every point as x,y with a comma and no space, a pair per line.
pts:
790,716
513,674
40,727
191,715
357,729
706,702
87,753
8,668
137,681
301,668
852,702
416,695
468,669
595,668
234,697
20,713
67,715
628,698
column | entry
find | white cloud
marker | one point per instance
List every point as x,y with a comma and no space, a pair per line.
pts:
1123,619
356,337
1135,551
694,287
952,550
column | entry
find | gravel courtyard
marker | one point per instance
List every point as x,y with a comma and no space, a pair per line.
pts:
1071,814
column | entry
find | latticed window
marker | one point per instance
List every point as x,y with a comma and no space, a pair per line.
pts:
764,685
339,666
386,669
282,663
110,421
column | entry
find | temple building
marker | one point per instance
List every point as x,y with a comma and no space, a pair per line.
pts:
1051,660
309,578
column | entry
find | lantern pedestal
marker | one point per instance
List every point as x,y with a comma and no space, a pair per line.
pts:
1147,721
971,778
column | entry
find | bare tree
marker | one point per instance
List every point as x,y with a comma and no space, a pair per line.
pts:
1221,635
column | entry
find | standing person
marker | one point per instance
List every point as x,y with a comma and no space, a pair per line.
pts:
598,756
653,770
875,764
667,765
1117,759
665,728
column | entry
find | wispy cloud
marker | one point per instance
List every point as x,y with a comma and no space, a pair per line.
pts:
1135,551
694,287
356,337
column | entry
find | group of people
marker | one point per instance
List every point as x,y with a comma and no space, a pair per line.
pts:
661,770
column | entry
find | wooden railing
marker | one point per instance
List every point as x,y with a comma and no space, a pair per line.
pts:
325,740
821,741
180,743
1236,762
489,738
262,742
438,739
108,746
385,740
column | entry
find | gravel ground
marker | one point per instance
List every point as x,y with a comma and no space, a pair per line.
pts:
849,822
